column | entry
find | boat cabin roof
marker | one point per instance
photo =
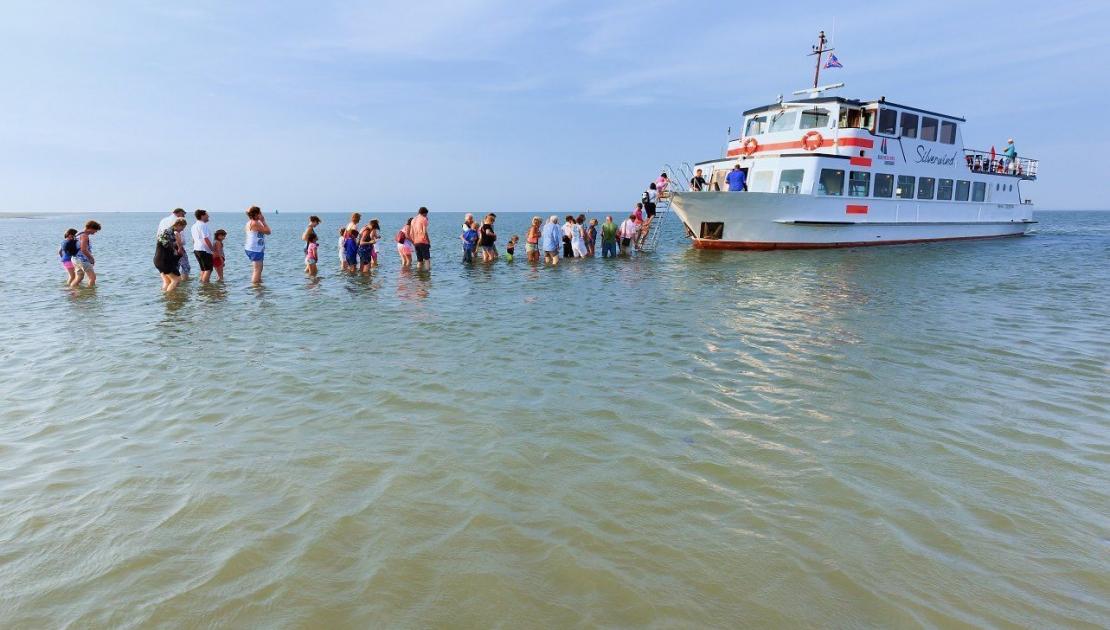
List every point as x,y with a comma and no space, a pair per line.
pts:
850,102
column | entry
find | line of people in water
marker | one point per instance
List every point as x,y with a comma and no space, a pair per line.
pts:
358,244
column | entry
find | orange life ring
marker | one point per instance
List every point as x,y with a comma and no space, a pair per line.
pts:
750,146
812,141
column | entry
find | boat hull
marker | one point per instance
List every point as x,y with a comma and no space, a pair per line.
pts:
761,221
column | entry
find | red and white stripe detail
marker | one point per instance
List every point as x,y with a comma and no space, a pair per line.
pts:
798,144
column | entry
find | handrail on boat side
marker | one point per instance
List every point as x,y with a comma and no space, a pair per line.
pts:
982,162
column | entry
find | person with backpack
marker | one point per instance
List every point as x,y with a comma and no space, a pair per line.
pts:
648,200
67,251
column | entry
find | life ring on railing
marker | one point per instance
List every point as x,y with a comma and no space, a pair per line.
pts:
812,141
750,146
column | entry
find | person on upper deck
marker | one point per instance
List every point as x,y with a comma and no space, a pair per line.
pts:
1011,153
737,180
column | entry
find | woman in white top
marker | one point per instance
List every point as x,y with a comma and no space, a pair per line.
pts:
255,245
578,236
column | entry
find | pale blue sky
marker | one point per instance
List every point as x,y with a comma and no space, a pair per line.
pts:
498,104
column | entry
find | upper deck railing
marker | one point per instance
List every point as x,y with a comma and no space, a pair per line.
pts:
982,162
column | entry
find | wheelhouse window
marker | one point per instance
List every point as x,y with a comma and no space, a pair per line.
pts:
756,126
947,132
979,191
884,185
963,190
790,181
831,182
929,128
784,120
909,125
859,184
888,121
905,187
869,119
925,187
815,118
944,190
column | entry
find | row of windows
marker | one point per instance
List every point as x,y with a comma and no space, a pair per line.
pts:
913,126
788,120
831,183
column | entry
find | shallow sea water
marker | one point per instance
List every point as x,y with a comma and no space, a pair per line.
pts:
880,437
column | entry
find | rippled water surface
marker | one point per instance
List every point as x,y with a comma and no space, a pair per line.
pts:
894,437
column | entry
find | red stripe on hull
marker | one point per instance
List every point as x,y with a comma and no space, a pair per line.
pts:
855,209
752,245
860,161
782,146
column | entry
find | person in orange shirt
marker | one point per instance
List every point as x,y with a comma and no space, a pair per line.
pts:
420,241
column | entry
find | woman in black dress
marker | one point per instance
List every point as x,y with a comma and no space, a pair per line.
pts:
167,252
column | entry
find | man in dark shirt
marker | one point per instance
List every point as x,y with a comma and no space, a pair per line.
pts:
697,183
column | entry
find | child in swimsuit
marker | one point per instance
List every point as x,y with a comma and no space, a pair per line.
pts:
350,251
510,249
66,252
218,253
310,254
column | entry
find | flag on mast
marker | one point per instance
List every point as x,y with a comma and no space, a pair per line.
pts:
833,62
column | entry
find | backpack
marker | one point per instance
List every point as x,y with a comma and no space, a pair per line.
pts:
401,237
70,247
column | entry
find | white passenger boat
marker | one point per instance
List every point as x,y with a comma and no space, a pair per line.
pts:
826,171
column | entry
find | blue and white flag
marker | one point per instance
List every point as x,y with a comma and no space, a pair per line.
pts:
833,62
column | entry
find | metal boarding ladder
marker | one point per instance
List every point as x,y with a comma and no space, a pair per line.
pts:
678,178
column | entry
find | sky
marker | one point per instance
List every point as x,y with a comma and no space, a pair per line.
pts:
500,105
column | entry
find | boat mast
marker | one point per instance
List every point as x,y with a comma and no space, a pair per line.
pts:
819,50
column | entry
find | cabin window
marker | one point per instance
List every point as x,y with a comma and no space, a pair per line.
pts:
831,182
925,187
884,185
761,181
929,128
909,125
756,126
888,121
815,119
944,190
790,181
905,187
947,132
784,120
869,119
979,191
859,184
963,190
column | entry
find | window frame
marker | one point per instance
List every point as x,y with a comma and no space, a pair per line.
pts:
902,125
963,190
786,113
932,188
866,183
935,128
800,183
753,119
889,179
940,188
947,124
909,190
883,111
804,112
979,192
820,183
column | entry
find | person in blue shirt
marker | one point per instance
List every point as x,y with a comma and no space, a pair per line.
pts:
737,180
469,239
551,239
